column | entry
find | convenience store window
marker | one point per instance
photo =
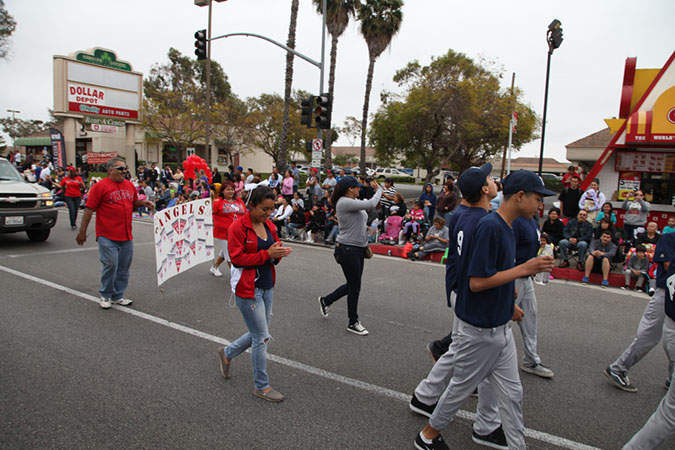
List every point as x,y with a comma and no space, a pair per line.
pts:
659,188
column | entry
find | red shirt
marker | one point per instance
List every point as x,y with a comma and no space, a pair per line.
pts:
113,203
224,213
567,176
72,186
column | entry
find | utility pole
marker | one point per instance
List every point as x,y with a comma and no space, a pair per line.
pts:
13,111
207,120
513,83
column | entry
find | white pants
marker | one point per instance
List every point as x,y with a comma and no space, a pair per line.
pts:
430,390
485,353
648,335
528,326
662,422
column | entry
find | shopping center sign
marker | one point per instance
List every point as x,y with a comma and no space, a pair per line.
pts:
95,83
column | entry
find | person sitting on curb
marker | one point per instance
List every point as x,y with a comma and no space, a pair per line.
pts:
577,234
600,257
637,267
436,240
650,236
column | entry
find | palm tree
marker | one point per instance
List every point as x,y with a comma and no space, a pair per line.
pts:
281,162
380,21
338,13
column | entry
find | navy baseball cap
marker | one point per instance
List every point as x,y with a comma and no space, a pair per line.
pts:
472,180
350,182
526,181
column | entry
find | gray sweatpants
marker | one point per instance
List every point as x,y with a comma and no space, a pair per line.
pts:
648,335
485,353
430,390
528,326
662,422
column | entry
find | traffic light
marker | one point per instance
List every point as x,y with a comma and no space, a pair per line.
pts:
556,38
323,111
307,106
200,45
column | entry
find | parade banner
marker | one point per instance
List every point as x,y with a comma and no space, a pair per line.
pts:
58,148
183,238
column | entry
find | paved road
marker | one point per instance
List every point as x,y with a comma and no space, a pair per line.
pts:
76,376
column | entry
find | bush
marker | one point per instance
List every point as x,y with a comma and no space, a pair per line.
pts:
408,180
553,185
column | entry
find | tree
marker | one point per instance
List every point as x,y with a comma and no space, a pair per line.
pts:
380,21
174,98
338,13
451,112
283,143
266,113
7,27
345,160
17,128
352,129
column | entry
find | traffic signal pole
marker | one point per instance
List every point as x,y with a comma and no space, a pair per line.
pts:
212,154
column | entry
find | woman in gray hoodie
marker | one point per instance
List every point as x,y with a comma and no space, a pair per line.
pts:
636,213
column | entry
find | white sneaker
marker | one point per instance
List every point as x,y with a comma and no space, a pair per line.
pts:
216,273
105,303
122,302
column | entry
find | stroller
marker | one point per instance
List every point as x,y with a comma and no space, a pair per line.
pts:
392,230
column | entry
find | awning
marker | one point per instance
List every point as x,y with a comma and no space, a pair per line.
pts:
34,141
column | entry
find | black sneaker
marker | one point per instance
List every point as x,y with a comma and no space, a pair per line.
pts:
436,444
420,408
620,380
667,385
357,328
496,439
433,352
324,308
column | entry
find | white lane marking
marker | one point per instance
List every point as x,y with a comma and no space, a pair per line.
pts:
69,250
373,388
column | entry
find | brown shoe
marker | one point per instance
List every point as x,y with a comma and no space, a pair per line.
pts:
564,263
271,395
580,267
224,363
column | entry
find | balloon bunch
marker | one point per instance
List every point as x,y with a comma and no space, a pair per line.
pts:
192,167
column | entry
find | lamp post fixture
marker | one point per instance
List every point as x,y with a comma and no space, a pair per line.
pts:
554,37
14,111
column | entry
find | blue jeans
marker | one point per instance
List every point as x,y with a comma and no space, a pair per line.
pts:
256,313
565,245
116,258
292,229
350,259
333,233
429,212
73,204
446,216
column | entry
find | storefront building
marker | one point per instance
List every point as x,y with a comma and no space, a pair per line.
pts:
637,151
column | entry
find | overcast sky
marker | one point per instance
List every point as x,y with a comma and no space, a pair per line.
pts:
586,71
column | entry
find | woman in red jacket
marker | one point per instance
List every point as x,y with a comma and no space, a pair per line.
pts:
227,208
254,249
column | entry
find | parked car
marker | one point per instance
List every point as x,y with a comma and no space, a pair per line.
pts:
550,176
384,172
370,172
408,171
24,206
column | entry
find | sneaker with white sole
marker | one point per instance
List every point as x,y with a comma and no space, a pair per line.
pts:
105,303
620,380
538,370
496,439
323,307
437,444
421,408
122,301
215,271
357,328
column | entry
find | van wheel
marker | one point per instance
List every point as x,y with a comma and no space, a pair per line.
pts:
38,235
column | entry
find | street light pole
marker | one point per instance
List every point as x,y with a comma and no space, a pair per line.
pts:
554,39
207,121
14,111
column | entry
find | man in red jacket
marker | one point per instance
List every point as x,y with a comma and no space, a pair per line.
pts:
114,199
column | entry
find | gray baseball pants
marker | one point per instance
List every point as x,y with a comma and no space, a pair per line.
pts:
662,422
648,335
430,390
528,326
485,353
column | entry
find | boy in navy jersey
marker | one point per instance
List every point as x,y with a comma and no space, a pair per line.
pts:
477,190
651,324
485,304
660,424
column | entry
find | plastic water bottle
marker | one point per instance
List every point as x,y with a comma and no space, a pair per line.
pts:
542,278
